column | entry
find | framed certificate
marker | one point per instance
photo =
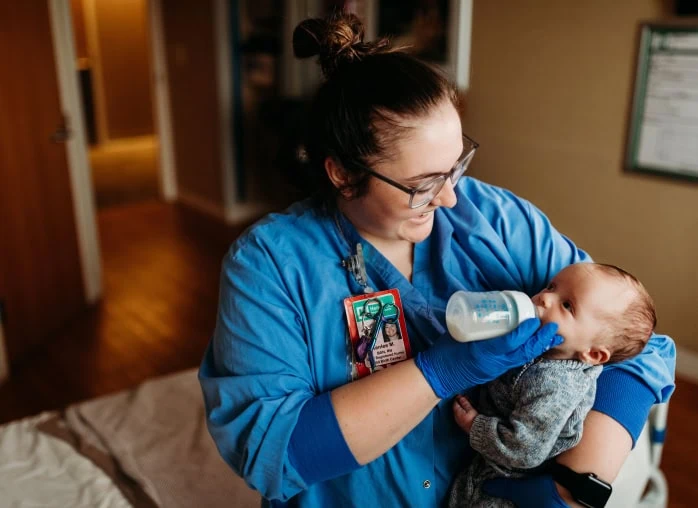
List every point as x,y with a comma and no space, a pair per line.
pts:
663,130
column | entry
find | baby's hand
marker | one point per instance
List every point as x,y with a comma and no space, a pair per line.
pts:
464,412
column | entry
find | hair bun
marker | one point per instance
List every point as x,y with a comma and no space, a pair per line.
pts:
307,37
337,39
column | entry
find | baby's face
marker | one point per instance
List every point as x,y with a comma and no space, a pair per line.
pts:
580,299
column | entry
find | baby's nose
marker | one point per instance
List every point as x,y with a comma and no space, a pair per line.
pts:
546,299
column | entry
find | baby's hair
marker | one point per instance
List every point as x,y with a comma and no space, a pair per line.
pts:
630,331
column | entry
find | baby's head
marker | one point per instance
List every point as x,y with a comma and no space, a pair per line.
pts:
604,313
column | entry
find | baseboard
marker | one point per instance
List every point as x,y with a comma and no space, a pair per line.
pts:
235,214
239,213
201,204
687,364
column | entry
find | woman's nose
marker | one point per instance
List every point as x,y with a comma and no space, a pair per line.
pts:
446,196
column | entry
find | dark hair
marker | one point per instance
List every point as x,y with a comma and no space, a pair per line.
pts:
358,112
631,331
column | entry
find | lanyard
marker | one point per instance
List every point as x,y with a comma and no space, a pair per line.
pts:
354,264
357,268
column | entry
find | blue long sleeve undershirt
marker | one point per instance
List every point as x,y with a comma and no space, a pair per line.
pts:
318,450
625,398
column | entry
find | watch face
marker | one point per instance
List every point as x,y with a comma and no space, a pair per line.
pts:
593,492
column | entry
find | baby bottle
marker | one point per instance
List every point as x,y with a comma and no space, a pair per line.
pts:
483,315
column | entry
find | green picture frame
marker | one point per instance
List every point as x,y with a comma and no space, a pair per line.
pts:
663,126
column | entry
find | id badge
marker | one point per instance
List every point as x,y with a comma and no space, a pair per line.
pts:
377,330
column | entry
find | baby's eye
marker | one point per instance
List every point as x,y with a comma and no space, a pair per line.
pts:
567,306
550,287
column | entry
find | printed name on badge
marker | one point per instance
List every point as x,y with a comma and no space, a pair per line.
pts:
377,330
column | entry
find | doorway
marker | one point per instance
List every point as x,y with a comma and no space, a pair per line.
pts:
112,46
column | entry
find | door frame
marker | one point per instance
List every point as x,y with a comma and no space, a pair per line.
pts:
161,103
92,40
226,105
4,363
76,147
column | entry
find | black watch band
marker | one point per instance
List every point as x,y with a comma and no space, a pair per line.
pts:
586,488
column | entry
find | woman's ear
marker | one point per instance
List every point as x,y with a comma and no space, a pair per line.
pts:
596,355
338,176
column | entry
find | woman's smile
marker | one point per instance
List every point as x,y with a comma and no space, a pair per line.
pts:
423,218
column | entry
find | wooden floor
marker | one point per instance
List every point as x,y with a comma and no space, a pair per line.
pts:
161,267
680,457
160,276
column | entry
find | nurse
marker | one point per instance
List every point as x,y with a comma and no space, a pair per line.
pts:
392,221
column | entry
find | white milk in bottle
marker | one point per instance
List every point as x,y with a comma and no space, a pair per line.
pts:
484,315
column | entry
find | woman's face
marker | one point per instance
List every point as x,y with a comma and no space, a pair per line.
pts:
390,329
431,147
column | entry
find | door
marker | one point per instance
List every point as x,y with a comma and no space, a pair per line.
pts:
40,273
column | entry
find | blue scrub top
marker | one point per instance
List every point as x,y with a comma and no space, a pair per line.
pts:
281,337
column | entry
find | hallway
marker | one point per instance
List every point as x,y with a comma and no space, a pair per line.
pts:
125,171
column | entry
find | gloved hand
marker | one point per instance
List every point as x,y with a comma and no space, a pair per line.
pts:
451,366
533,491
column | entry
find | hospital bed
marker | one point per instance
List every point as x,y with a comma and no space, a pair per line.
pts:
149,447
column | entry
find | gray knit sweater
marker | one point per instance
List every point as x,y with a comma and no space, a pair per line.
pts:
527,416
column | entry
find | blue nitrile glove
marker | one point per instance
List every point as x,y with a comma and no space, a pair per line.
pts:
530,492
451,366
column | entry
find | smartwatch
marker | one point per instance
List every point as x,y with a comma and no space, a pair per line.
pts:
586,488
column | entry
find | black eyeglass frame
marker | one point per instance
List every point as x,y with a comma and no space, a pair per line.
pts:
459,168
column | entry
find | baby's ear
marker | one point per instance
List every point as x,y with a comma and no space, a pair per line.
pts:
597,355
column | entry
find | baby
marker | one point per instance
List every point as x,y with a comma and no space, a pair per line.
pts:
533,413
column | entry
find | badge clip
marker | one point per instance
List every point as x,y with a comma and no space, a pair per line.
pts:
356,266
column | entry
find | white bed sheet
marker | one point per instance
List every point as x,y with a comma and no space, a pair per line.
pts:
38,470
141,448
157,433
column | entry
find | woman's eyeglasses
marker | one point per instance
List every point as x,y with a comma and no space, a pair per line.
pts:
429,189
